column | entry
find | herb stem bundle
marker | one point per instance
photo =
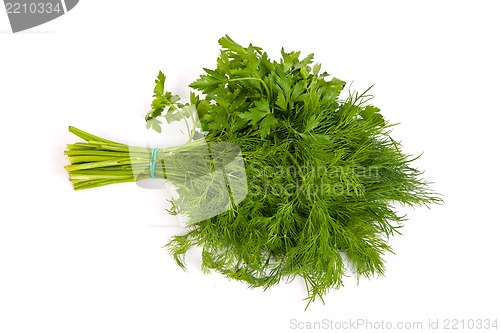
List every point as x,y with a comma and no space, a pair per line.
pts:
99,162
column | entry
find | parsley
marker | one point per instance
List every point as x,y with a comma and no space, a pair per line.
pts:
319,178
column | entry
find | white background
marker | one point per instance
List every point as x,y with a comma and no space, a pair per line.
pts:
92,261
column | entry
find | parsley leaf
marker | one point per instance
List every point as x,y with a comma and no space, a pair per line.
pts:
256,114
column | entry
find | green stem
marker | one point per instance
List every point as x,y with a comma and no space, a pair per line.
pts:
254,79
99,162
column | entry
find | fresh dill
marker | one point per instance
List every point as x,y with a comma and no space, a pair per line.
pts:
321,174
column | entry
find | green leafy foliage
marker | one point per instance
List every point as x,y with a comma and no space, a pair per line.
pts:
165,104
249,92
323,174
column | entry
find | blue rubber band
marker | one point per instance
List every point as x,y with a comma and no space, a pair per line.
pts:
152,162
